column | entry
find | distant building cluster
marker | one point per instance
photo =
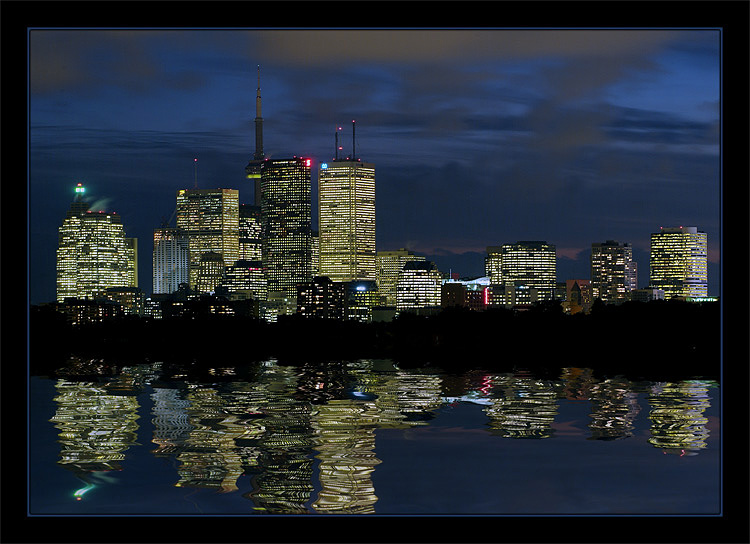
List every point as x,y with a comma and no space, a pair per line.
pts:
265,260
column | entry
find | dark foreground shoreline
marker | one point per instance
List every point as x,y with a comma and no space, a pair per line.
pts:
662,340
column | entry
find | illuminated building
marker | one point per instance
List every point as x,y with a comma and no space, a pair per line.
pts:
418,286
511,293
613,272
254,167
171,260
286,223
210,272
93,253
322,298
466,294
346,204
362,297
577,296
131,299
210,218
246,277
531,264
250,233
646,295
679,262
388,267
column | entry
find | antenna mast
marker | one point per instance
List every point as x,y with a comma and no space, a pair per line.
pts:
354,149
195,162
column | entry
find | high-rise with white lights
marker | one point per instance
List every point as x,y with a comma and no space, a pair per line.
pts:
210,218
346,205
531,264
286,223
171,260
419,286
93,253
388,266
613,271
679,262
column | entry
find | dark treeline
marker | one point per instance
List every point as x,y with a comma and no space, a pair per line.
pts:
654,340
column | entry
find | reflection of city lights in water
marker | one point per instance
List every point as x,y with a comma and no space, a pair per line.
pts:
677,415
79,494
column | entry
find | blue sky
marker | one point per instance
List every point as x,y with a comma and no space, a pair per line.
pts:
479,137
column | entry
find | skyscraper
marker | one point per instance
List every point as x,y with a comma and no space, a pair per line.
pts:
171,260
530,264
93,253
346,198
679,262
286,223
419,286
613,272
388,267
210,218
250,233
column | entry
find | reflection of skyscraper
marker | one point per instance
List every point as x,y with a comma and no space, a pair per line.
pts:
96,428
170,420
345,441
522,407
210,218
679,262
614,408
346,201
677,421
286,223
613,272
93,253
171,260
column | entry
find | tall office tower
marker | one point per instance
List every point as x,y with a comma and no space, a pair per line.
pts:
246,278
250,238
613,272
388,266
253,168
419,286
679,262
210,272
210,218
286,219
171,260
532,264
93,253
346,204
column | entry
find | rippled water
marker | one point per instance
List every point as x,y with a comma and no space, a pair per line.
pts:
366,437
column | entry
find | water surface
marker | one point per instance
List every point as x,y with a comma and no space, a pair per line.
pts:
367,437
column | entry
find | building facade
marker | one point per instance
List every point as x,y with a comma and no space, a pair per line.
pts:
419,286
388,266
346,205
613,272
93,253
250,243
679,262
525,263
211,273
210,218
322,298
286,219
171,260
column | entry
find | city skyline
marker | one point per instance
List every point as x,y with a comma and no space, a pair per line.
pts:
628,122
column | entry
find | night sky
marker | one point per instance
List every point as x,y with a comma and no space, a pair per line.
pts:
479,137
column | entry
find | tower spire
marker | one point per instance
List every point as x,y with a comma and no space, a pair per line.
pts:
258,124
